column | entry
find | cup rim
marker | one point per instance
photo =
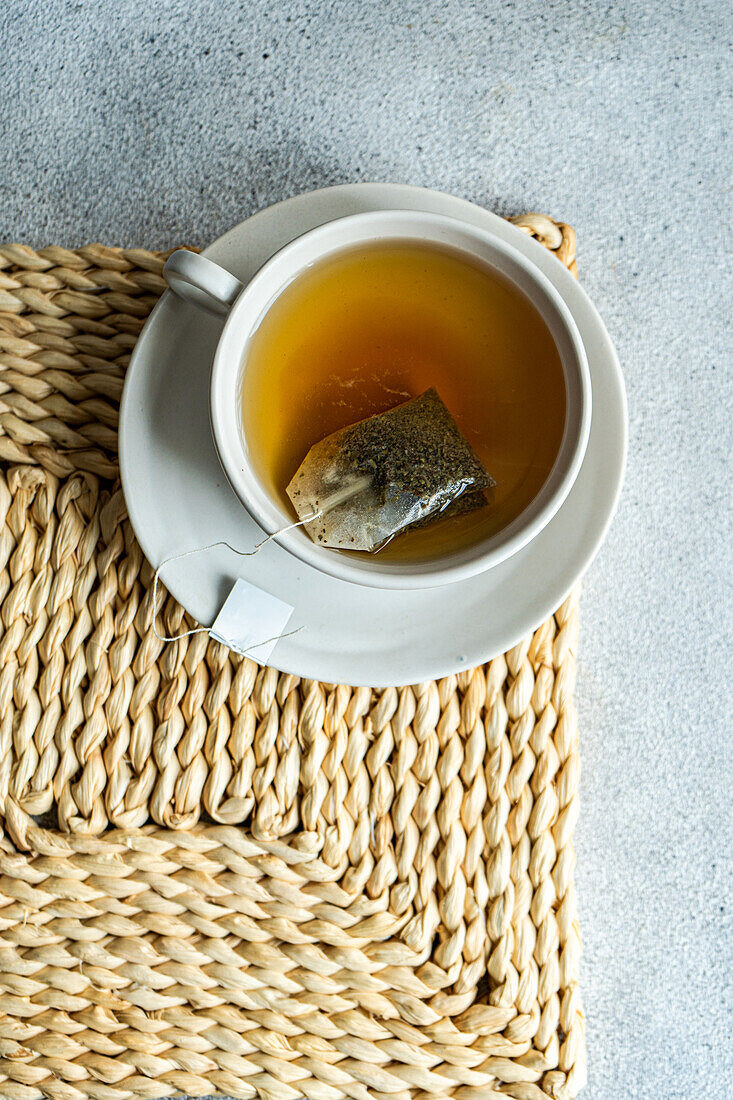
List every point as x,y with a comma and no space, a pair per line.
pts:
278,272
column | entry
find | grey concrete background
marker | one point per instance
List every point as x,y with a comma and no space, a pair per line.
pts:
162,123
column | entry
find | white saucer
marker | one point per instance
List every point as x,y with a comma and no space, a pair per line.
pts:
178,497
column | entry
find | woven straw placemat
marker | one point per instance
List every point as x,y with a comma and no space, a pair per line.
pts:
217,878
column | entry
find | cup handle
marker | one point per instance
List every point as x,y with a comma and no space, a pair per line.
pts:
198,280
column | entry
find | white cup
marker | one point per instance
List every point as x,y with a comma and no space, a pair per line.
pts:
207,285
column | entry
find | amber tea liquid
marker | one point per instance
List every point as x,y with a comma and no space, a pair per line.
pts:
379,324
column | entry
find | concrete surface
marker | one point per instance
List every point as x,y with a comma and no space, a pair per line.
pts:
159,123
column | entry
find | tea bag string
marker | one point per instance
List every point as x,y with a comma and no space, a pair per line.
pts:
240,553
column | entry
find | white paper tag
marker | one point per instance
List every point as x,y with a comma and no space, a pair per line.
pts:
251,621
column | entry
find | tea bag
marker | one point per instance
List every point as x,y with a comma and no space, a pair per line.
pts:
375,479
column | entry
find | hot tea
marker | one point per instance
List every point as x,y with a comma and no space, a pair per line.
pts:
374,327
